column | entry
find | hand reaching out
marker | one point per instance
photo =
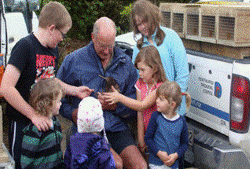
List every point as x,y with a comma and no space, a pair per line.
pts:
83,91
74,115
111,97
106,105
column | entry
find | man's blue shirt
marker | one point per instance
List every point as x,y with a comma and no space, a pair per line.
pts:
83,67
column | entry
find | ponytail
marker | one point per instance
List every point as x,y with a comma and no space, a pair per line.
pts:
188,99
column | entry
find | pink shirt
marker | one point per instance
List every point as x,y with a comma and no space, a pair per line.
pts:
143,88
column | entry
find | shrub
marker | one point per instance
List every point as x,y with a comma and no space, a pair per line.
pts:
85,12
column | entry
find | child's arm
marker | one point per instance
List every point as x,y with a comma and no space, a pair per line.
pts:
137,105
150,134
140,131
140,125
14,98
80,92
163,155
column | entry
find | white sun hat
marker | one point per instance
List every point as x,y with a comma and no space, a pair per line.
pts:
90,116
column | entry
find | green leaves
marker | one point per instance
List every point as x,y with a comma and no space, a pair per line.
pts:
85,12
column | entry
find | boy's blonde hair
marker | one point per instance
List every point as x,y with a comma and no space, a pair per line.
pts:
54,13
149,13
44,94
151,57
172,92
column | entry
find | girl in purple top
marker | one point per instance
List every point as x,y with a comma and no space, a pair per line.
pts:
88,148
167,132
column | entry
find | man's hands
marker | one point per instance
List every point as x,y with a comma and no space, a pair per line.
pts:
74,115
81,91
42,123
168,160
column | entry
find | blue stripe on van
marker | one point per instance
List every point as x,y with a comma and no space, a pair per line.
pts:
209,109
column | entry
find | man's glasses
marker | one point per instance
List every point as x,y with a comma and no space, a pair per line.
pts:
63,35
106,46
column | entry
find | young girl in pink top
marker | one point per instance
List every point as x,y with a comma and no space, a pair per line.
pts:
152,75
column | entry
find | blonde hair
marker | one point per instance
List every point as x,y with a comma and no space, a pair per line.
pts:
44,94
151,57
172,92
151,14
54,13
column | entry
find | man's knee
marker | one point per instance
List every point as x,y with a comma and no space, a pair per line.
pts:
118,163
132,158
117,158
142,164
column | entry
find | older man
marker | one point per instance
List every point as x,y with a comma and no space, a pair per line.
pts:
84,67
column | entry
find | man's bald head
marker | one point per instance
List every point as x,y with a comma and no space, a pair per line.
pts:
103,37
104,27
